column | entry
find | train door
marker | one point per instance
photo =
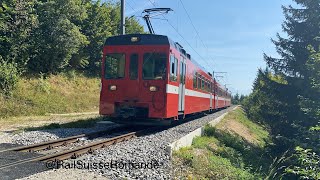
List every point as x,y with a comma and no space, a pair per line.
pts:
210,95
182,85
133,83
217,97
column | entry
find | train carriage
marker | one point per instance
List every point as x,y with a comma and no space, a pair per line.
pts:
148,79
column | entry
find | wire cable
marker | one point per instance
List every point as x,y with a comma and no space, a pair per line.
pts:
181,36
195,29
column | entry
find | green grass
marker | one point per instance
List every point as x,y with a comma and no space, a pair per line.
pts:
204,164
221,154
55,94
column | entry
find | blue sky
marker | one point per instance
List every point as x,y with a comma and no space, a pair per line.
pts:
235,33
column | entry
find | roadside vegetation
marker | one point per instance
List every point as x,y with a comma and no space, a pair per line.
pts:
54,94
50,55
235,149
286,95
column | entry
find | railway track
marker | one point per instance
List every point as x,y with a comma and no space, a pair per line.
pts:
89,148
64,141
73,153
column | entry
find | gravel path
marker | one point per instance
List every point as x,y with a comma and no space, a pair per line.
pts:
144,157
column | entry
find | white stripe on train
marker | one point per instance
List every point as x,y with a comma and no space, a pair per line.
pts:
175,90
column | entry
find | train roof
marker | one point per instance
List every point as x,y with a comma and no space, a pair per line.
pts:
150,39
143,39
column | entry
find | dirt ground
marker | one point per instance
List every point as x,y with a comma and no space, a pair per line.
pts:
234,126
17,123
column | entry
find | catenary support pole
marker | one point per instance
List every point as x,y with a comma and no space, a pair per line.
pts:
123,18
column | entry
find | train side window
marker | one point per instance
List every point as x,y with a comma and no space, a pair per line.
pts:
195,80
176,64
199,81
115,66
205,85
202,84
173,68
133,71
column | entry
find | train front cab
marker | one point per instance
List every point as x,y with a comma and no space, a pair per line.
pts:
134,79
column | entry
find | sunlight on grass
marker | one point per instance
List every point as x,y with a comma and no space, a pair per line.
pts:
223,153
56,94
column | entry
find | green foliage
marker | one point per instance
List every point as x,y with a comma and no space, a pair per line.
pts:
57,35
308,164
43,85
186,155
237,99
230,140
225,155
65,96
287,98
206,165
96,28
9,76
234,148
133,26
17,21
316,128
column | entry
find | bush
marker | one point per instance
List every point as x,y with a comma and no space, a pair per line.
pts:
43,85
308,166
9,77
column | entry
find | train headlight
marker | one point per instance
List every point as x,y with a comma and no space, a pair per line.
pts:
112,87
153,88
134,39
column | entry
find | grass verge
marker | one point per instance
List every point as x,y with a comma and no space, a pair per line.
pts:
234,149
54,94
38,101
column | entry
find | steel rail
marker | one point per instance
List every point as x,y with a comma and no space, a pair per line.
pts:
62,141
74,153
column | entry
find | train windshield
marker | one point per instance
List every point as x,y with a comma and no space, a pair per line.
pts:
115,66
154,66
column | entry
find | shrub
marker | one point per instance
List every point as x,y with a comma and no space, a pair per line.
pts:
308,166
9,77
43,85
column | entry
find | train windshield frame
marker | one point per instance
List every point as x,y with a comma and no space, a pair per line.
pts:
115,66
154,66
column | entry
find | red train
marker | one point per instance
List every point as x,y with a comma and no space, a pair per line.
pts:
149,79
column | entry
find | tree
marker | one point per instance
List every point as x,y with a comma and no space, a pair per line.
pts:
287,98
96,27
302,28
235,99
17,21
133,26
57,37
103,21
296,62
